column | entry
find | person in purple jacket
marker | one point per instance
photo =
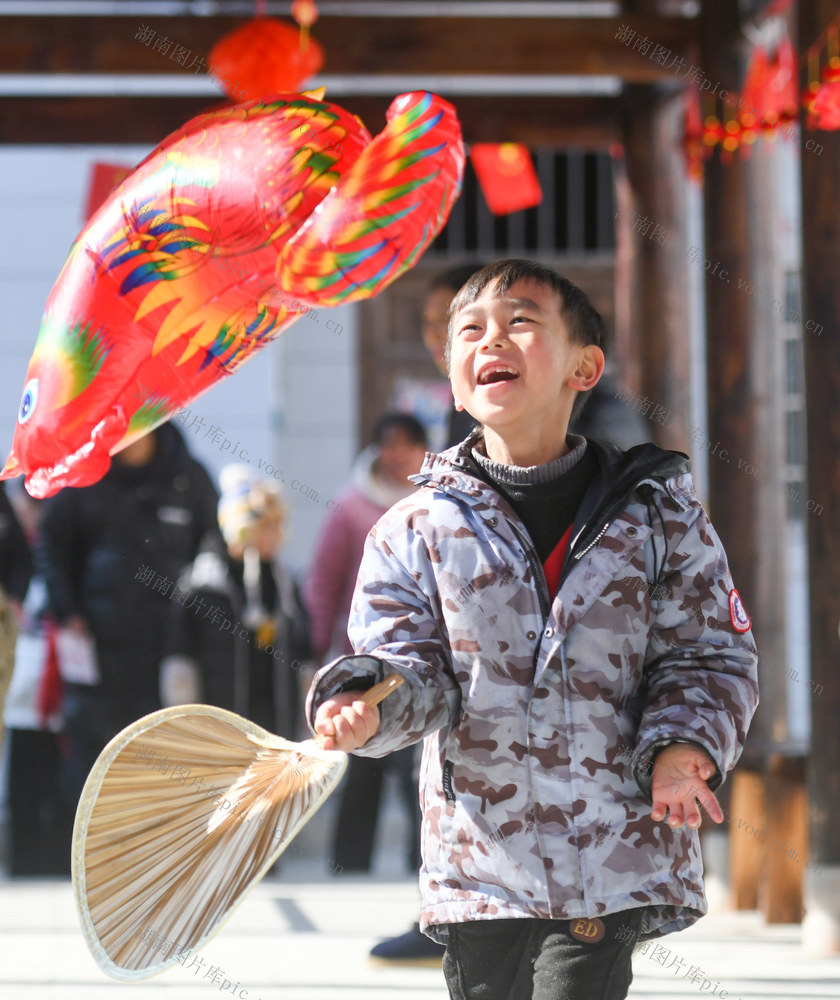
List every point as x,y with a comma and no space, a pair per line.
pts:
378,480
575,658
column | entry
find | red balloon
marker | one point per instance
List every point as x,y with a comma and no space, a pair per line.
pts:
229,231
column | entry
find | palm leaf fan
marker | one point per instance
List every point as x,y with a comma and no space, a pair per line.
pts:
182,814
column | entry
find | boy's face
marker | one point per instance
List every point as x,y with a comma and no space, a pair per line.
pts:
512,365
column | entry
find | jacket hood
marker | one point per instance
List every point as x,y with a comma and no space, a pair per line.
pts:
620,472
643,469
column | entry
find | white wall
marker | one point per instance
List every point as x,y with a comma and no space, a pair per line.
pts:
292,407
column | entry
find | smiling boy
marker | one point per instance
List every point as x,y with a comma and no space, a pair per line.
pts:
516,593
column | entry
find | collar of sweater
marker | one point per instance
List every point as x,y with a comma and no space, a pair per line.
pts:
517,475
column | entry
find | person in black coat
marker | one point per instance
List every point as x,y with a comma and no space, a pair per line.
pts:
110,555
15,573
15,554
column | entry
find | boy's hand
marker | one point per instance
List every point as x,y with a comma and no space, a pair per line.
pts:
345,723
679,779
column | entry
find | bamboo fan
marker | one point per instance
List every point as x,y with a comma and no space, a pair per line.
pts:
182,814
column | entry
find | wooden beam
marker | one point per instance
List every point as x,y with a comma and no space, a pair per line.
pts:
820,171
652,296
551,122
745,434
453,45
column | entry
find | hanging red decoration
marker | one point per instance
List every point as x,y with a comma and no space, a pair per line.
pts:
693,145
506,176
103,179
783,88
756,100
822,97
826,104
264,57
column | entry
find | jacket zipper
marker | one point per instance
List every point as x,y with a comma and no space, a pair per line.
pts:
536,569
595,540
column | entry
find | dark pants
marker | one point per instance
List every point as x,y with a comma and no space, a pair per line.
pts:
525,959
359,809
40,823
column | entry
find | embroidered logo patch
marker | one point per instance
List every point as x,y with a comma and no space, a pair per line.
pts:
737,614
587,930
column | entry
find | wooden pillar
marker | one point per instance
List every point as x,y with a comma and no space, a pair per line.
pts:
821,305
744,440
652,312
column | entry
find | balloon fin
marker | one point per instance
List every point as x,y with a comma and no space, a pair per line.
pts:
11,468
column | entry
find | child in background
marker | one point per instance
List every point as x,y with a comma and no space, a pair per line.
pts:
240,637
506,592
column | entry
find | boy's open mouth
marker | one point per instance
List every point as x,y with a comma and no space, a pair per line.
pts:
496,373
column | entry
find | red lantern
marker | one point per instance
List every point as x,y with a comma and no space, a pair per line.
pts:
506,176
264,57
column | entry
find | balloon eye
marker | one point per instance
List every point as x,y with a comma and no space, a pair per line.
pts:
29,401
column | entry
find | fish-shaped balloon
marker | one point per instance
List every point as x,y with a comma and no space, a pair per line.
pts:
233,227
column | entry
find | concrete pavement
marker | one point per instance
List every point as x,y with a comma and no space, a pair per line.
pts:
304,938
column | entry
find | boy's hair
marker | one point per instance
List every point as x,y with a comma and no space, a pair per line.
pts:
404,422
583,321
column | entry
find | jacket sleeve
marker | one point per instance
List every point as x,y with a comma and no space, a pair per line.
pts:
700,670
395,627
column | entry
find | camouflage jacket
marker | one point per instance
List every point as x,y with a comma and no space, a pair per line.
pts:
538,714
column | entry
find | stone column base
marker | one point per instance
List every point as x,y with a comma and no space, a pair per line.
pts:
821,926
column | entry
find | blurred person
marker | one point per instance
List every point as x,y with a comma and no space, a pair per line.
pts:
378,480
606,417
15,573
40,825
440,293
110,554
239,638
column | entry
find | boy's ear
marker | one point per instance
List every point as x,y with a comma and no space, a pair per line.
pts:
459,406
589,368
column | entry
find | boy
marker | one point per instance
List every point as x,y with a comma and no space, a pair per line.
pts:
550,602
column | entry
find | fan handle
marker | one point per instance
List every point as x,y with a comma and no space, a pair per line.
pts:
379,692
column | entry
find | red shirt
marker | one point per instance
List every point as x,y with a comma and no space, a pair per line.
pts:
554,564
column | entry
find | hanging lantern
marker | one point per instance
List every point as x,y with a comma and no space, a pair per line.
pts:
756,101
826,103
506,176
265,57
713,132
733,133
822,99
